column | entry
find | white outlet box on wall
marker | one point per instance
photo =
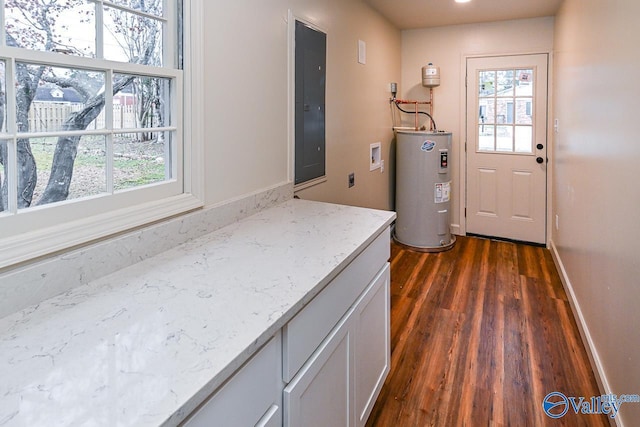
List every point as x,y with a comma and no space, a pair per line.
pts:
375,156
362,52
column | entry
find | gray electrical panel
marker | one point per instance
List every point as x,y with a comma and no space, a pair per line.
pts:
311,76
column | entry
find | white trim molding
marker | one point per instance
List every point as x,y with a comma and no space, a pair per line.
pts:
29,246
194,53
292,17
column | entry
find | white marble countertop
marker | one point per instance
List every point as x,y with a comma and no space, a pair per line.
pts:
145,345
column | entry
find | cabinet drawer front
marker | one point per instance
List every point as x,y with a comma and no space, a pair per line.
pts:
304,333
251,396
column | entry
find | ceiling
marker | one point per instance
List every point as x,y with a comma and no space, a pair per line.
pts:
408,14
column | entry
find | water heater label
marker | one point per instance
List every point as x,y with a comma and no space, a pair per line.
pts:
442,192
428,146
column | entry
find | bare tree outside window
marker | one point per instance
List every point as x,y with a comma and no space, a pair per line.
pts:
71,100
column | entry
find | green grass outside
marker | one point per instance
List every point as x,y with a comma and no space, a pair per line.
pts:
135,170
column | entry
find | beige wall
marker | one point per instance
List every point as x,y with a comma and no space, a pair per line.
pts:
246,93
596,191
446,48
357,106
246,101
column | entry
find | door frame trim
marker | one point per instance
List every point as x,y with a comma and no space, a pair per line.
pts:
461,228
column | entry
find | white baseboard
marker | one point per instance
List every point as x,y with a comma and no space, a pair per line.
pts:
592,352
455,229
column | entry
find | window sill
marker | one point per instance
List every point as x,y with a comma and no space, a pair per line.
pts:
30,246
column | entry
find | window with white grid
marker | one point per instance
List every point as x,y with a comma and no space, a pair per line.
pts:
91,111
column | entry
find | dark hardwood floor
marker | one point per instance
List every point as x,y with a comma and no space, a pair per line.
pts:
480,335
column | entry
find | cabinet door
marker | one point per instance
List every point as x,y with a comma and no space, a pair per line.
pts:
252,396
320,393
304,333
371,346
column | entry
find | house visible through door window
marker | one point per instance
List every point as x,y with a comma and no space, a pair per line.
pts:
505,122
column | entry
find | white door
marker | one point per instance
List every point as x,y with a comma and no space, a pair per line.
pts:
507,147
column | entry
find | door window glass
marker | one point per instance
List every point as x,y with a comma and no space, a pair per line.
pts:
505,113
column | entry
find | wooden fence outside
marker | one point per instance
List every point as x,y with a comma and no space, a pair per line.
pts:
50,116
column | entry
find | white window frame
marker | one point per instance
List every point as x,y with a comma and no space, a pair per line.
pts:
41,230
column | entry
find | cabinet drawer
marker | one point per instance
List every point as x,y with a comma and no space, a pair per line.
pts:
304,333
252,396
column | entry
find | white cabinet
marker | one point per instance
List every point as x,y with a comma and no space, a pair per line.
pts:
251,397
304,333
372,347
327,365
339,383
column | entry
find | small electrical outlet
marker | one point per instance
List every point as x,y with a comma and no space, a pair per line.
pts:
381,166
352,179
557,222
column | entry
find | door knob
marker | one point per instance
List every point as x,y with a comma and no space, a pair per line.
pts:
539,159
539,146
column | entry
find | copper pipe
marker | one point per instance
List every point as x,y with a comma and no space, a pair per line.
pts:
431,107
416,103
